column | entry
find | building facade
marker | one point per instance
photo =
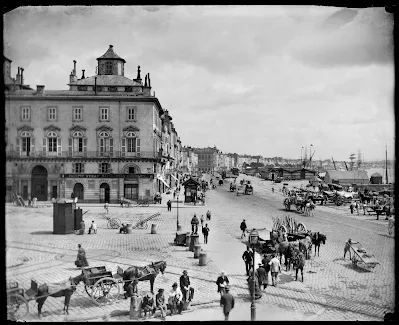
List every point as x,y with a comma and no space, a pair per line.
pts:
105,138
207,159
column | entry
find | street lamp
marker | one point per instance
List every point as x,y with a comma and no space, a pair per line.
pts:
253,240
177,211
301,156
310,157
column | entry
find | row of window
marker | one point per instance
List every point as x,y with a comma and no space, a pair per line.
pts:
77,113
77,144
103,168
102,88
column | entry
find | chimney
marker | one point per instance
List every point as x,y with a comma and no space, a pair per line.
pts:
40,89
18,77
74,67
83,74
22,76
111,46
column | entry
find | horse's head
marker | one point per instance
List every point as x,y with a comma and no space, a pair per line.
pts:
162,267
83,277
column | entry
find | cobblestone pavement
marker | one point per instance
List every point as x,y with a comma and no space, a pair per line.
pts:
332,290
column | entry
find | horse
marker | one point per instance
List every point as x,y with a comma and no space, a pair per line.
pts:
364,198
317,239
309,207
298,262
305,245
63,289
142,273
287,249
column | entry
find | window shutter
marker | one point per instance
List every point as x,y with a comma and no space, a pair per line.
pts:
85,146
99,168
98,146
73,168
109,168
18,148
138,147
59,147
83,167
32,147
123,147
111,147
99,113
70,148
45,147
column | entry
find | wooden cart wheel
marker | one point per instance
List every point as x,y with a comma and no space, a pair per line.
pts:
283,229
17,307
105,291
301,227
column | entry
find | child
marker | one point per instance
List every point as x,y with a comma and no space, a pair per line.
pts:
106,205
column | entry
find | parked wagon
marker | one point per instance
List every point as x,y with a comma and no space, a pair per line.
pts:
17,301
181,238
359,255
103,287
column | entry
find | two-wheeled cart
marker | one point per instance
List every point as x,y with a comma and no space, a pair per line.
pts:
18,300
359,255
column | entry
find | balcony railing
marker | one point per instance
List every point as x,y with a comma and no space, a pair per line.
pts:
88,154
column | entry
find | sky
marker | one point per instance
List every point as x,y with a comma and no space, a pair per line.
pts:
256,80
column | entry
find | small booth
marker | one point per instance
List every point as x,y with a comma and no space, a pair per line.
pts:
376,178
190,189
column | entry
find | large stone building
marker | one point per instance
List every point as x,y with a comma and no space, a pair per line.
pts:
207,159
106,137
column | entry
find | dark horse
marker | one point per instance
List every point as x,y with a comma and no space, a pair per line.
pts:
142,273
64,289
287,249
305,246
298,262
317,239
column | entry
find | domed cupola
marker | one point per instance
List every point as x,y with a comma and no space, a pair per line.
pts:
110,63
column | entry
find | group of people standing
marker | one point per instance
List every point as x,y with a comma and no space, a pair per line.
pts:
205,229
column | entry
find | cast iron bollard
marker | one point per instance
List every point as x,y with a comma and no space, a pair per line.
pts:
202,259
197,250
153,228
194,240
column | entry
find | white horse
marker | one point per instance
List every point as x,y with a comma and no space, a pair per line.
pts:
309,208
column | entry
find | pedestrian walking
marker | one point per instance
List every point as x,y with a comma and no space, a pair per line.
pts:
194,225
169,204
202,220
243,228
208,215
247,257
357,207
227,302
174,194
352,206
205,231
34,201
222,282
275,268
106,206
265,261
81,260
261,275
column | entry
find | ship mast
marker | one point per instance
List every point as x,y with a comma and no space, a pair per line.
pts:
386,164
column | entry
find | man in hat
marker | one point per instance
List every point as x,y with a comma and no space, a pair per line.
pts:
194,225
247,257
185,287
148,305
261,275
160,302
275,268
227,302
175,299
243,228
222,282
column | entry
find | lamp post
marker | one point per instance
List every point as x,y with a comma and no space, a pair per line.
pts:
310,157
177,211
301,155
253,240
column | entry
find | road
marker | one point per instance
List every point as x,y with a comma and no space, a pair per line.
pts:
332,289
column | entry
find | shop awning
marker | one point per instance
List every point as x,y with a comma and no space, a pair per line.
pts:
163,180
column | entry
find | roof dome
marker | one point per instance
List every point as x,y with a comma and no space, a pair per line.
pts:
111,55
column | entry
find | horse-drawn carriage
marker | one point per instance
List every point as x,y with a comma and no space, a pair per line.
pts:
17,301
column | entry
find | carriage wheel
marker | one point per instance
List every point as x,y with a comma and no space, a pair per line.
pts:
283,229
17,307
105,291
301,227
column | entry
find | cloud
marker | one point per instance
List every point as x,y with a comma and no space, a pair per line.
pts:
347,39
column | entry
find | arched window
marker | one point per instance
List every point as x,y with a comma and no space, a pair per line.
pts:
52,141
25,144
25,134
106,144
77,134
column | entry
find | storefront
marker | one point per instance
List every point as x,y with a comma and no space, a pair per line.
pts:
101,188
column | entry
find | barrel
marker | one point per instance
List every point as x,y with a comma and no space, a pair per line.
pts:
153,228
197,250
129,228
202,259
